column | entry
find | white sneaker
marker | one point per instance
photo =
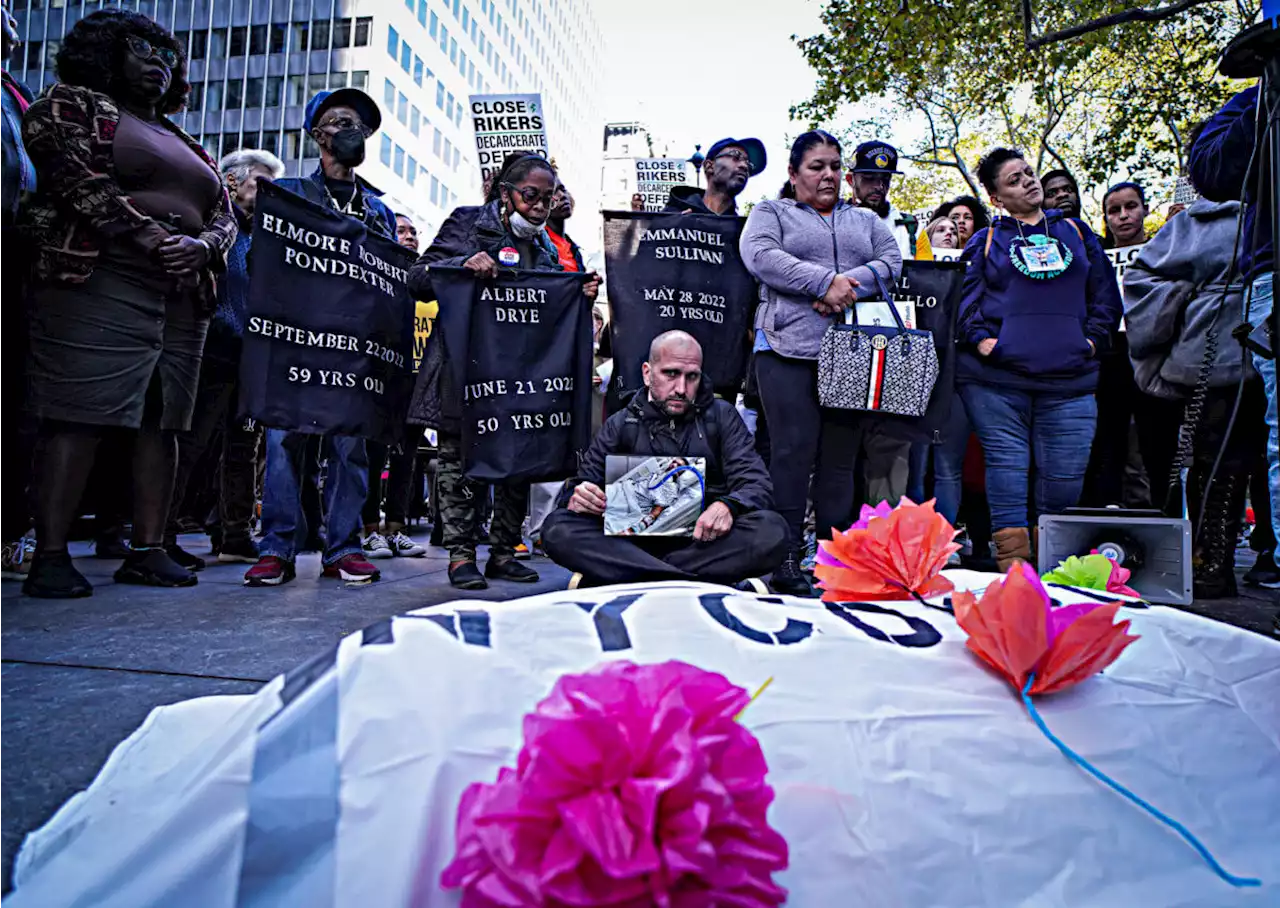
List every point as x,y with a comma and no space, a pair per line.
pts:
403,546
375,546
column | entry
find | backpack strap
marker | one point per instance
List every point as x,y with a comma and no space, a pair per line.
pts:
1076,227
991,233
630,432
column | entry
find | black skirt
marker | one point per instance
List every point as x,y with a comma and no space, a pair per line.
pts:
97,347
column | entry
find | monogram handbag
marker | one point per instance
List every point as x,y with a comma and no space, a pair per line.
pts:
877,368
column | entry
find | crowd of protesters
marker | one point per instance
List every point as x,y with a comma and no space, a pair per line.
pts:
127,276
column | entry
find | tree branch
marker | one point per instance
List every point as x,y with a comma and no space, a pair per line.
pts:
1075,31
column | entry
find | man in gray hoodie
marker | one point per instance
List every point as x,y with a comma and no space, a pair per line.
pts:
1183,299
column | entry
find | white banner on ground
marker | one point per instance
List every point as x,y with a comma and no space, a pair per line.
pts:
507,123
656,176
906,773
1120,260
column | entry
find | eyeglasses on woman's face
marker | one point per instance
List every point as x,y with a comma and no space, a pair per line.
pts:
145,50
531,196
343,123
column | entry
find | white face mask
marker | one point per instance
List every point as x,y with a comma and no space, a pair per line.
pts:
524,228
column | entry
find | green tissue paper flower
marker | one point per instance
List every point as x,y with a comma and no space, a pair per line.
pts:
1090,572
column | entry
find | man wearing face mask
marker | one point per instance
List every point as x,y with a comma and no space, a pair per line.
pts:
875,164
340,122
729,164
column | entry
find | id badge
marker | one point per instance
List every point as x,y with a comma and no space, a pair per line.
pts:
1042,259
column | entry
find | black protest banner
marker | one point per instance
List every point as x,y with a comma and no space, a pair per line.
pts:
329,339
933,289
677,271
519,347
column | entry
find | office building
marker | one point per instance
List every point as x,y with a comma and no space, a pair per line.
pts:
253,64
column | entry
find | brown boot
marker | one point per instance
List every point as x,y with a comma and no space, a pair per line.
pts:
1012,544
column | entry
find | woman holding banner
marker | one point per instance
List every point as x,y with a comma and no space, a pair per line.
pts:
130,223
813,255
1040,302
508,231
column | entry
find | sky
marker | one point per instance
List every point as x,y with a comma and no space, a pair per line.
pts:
698,72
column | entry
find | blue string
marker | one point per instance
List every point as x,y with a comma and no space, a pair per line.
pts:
1120,789
694,470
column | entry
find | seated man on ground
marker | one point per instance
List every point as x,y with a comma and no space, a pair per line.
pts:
736,537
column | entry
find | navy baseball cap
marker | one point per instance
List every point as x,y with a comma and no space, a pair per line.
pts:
354,98
753,147
875,157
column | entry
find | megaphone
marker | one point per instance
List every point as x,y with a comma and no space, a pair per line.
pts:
1154,548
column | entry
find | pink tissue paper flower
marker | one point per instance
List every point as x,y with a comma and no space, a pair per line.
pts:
635,787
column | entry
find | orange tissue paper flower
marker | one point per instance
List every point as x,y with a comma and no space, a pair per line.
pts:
887,554
1016,629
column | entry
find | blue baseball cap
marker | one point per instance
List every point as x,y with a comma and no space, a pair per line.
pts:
753,147
354,98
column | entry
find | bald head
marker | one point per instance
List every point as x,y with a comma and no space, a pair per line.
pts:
676,342
673,372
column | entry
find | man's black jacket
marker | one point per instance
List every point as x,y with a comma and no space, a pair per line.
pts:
711,428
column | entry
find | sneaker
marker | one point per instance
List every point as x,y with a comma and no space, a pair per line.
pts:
752,585
238,551
15,562
353,568
537,549
269,571
153,567
53,576
789,580
404,547
466,576
966,544
375,546
1264,572
509,569
522,552
184,558
810,553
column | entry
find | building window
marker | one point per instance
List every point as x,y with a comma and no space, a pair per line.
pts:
338,79
270,142
362,31
316,82
457,157
411,171
275,90
297,93
213,96
199,45
298,37
402,108
384,154
457,115
415,120
417,70
462,62
253,92
309,147
453,50
193,99
435,143
440,95
393,42
422,12
448,107
320,34
406,57
466,19
218,43
435,191
235,95
239,41
360,79
342,33
292,146
435,26
399,165
276,43
444,39
448,151
258,39
408,5
388,94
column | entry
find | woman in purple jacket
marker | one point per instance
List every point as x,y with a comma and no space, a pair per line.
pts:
1040,302
814,255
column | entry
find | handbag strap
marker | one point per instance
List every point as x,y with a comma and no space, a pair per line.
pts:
851,315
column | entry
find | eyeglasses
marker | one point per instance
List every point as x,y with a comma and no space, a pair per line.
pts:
342,124
735,155
529,195
145,50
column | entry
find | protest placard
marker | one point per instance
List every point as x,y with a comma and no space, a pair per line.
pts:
328,344
506,123
656,176
677,271
1120,260
519,348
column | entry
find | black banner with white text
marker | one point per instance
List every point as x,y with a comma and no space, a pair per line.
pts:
519,348
328,343
677,272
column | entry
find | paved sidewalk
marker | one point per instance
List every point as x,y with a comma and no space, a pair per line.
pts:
79,676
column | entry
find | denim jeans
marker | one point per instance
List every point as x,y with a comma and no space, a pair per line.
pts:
1261,299
948,464
345,488
1015,427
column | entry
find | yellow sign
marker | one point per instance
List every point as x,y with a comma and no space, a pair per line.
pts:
424,316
